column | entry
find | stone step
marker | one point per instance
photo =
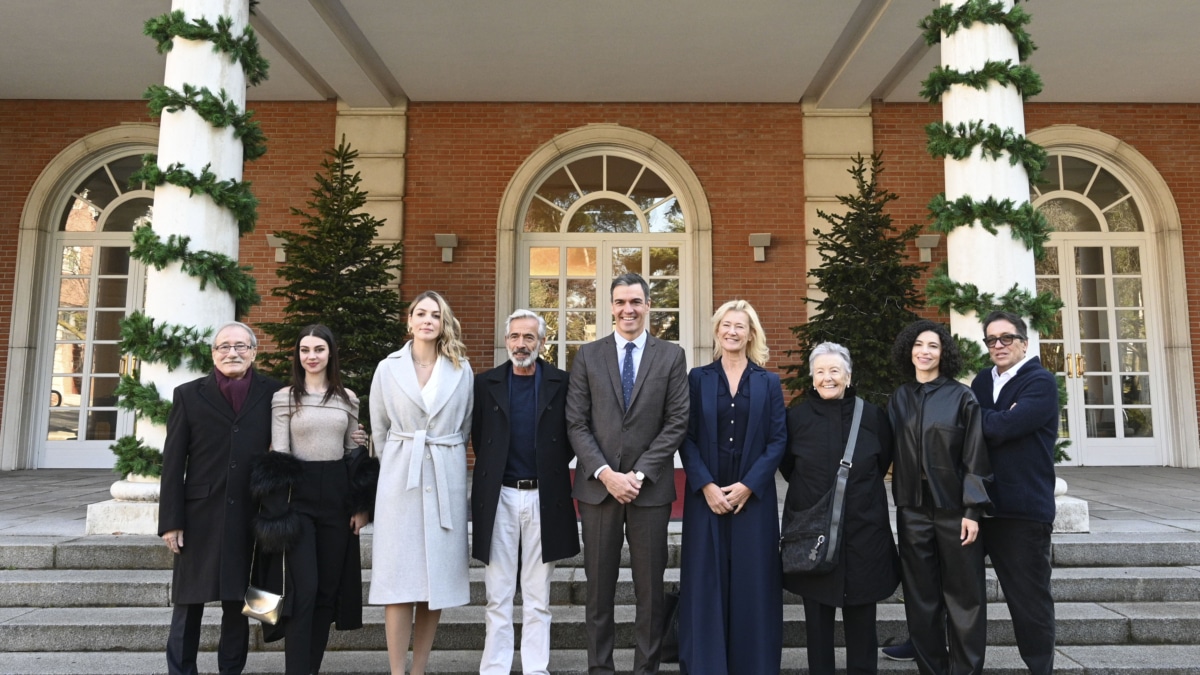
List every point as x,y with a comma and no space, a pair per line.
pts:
1001,660
148,552
145,628
151,588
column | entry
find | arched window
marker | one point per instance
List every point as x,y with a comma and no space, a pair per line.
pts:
591,216
1105,344
94,285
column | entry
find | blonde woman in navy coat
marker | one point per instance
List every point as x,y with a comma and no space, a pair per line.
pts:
730,607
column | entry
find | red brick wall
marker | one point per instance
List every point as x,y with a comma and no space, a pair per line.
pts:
1167,135
749,159
32,133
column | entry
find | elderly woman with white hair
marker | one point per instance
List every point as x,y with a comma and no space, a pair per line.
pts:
868,567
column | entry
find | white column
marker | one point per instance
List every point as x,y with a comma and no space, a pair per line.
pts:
991,262
171,295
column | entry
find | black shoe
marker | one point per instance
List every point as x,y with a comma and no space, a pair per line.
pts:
901,652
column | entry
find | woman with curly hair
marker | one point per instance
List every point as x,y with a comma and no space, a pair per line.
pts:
940,474
421,400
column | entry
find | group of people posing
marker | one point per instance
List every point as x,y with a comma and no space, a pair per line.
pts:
973,475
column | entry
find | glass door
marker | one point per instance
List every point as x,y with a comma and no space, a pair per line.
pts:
1104,349
568,286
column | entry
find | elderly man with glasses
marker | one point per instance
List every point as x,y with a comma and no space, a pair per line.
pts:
217,425
1019,400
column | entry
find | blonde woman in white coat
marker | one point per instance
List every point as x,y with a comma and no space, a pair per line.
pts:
420,417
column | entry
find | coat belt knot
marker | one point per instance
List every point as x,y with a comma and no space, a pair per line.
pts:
420,441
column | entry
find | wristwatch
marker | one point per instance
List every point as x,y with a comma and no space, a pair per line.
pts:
639,475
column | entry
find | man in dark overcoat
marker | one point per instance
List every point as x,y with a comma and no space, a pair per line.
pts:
217,425
627,414
521,507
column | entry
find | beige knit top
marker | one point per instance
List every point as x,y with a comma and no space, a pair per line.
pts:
315,431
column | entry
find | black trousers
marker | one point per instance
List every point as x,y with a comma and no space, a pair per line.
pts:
1020,553
184,639
944,591
315,563
862,642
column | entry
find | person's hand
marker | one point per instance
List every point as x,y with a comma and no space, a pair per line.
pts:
737,495
970,530
174,540
622,486
359,436
358,521
716,499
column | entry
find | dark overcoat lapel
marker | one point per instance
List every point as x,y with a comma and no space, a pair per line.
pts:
205,485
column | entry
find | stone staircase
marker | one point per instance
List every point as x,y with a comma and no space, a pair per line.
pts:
1127,603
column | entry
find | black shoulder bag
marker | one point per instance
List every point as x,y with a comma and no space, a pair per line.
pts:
811,538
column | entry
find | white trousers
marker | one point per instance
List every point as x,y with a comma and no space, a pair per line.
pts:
517,533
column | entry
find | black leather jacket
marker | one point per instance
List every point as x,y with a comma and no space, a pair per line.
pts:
938,433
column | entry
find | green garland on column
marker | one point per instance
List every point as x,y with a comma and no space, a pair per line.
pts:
170,344
242,50
958,142
231,194
216,109
993,143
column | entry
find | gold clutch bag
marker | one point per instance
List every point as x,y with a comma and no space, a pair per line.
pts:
263,605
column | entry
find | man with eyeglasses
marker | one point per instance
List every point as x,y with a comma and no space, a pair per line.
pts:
1019,399
521,508
217,425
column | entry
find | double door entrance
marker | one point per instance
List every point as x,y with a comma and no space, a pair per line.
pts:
1105,348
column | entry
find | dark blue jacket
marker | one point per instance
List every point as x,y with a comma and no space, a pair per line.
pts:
755,613
1020,441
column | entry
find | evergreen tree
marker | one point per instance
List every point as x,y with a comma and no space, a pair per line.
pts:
336,275
869,287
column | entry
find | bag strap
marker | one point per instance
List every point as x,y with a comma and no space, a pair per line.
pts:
843,474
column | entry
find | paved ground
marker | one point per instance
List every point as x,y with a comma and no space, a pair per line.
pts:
1121,499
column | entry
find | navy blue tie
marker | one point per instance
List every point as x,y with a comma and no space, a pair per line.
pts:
627,373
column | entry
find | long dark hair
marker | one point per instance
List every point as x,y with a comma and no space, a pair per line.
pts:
950,362
333,374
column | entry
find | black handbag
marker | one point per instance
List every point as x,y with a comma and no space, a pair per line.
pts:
810,540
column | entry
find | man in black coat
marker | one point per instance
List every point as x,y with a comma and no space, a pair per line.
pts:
217,425
1019,402
521,493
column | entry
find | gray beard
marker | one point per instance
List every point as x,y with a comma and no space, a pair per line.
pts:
522,363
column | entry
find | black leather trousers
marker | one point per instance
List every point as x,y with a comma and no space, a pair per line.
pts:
944,592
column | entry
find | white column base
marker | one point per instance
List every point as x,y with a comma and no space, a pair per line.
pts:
122,517
1071,515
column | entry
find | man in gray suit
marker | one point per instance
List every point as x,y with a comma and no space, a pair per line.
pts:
627,414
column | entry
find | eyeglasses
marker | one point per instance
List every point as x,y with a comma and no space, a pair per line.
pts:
1005,339
240,348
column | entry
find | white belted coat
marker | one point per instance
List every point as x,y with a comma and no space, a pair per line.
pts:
419,552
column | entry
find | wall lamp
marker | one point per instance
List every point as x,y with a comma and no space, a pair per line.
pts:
446,242
276,242
925,244
760,242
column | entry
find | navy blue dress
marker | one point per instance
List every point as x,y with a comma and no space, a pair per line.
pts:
730,607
